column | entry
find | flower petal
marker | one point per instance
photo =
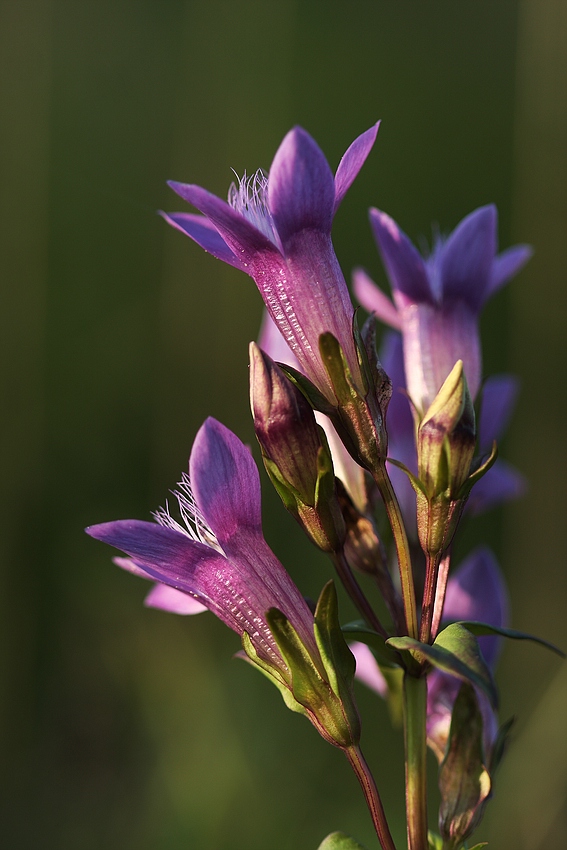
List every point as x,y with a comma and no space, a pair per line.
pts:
502,483
507,264
476,591
205,234
175,601
233,590
225,481
367,670
352,162
273,344
499,395
374,300
243,239
404,265
466,259
301,187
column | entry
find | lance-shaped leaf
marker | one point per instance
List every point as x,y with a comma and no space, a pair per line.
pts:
486,629
464,781
339,841
454,651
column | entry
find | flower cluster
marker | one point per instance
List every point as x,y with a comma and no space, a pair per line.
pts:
353,443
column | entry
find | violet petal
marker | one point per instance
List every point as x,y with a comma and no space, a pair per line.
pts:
374,300
502,483
244,240
404,265
225,481
205,234
352,162
301,187
466,260
499,395
175,601
506,265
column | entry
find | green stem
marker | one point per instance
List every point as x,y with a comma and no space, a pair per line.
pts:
356,594
372,796
415,706
402,546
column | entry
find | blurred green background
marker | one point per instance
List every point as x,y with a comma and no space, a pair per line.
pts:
129,728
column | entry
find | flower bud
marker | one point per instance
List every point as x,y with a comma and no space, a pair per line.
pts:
295,451
446,437
464,781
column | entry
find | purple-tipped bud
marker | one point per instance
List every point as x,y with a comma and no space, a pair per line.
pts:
295,451
284,424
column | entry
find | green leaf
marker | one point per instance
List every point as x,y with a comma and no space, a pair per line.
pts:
486,629
454,651
361,632
339,841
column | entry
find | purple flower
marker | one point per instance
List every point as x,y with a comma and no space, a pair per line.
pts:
438,300
277,229
217,555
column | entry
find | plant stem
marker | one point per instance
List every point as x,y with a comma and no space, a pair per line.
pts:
356,594
440,593
372,796
415,706
393,510
431,571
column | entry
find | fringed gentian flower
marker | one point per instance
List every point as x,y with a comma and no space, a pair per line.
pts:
476,591
277,229
438,300
217,558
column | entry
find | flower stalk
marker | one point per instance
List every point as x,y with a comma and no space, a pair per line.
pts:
414,710
372,797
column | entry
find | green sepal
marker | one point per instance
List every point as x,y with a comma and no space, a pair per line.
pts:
338,660
337,369
360,631
251,656
340,841
454,651
434,841
414,481
486,629
315,398
324,707
464,781
287,494
372,370
479,472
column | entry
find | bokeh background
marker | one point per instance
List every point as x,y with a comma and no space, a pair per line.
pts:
129,728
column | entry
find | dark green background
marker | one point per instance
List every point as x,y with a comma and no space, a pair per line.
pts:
128,728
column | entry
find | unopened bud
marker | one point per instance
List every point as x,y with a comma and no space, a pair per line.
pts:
295,451
446,437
